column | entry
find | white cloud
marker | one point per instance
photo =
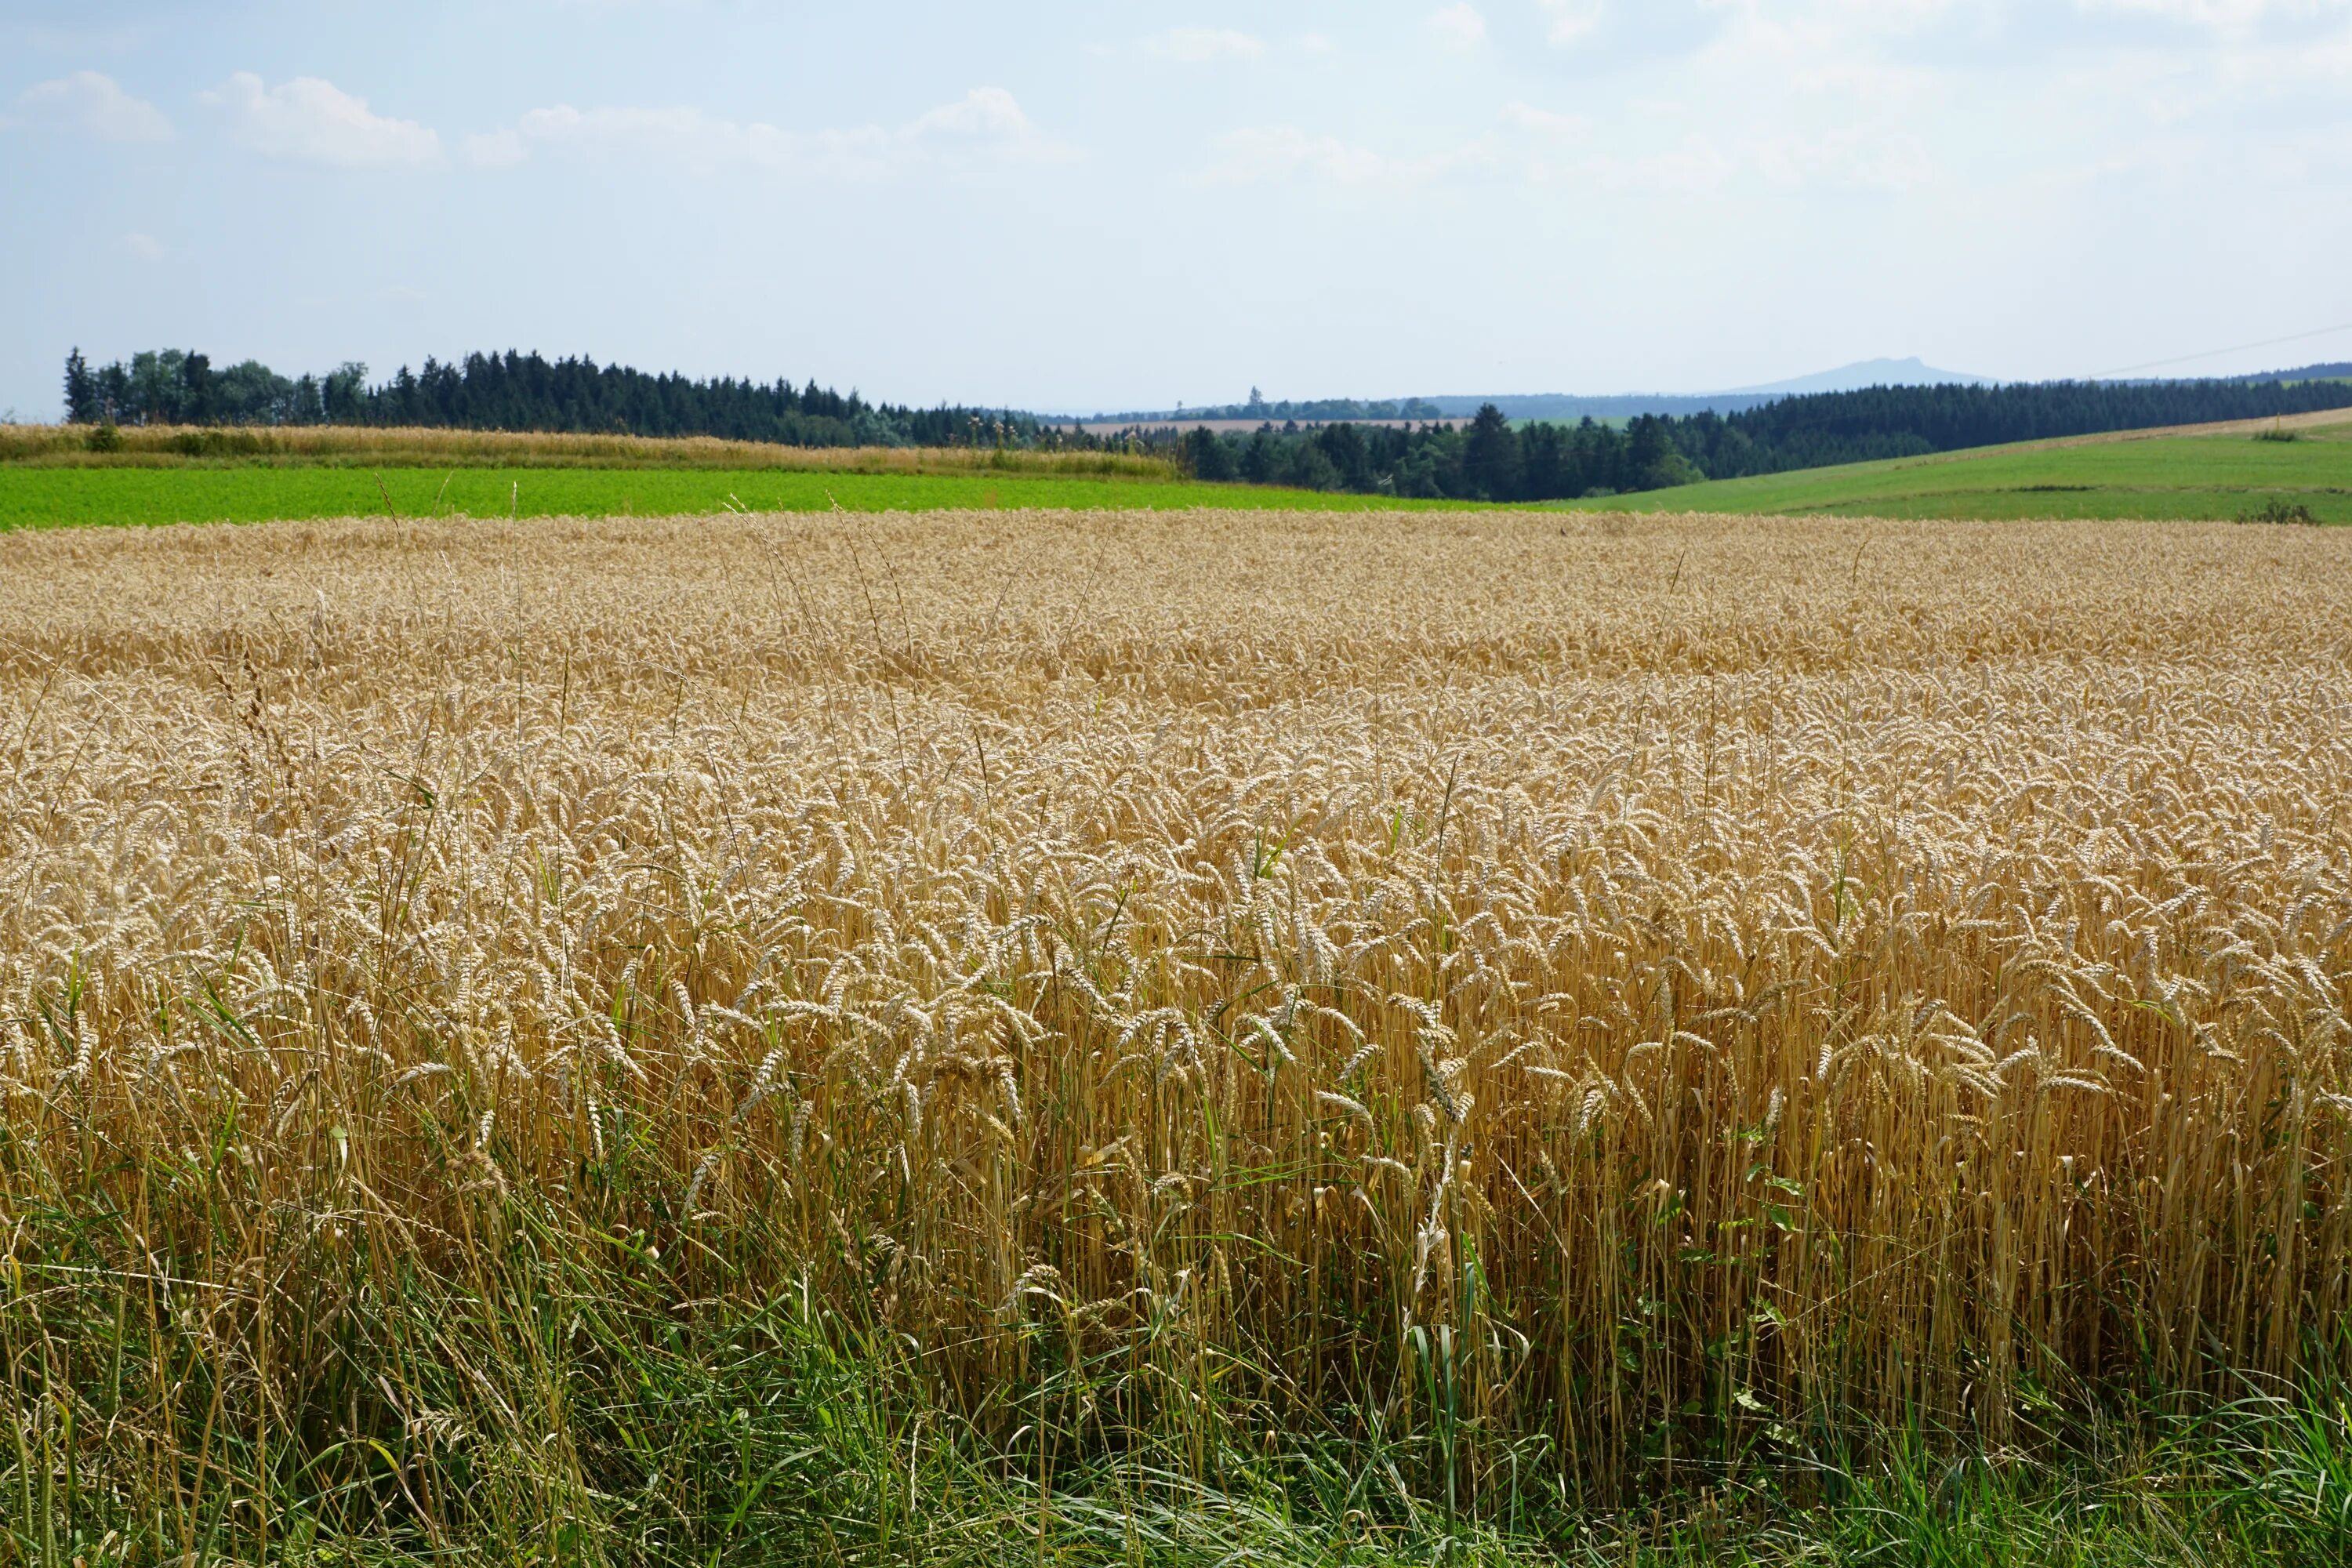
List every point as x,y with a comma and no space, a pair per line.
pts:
90,104
1459,27
985,125
144,247
1546,149
1204,46
984,116
1568,22
314,122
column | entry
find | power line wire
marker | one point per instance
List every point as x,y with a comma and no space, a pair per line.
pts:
2216,353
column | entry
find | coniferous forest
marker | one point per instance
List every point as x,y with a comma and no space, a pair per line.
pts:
517,391
1487,458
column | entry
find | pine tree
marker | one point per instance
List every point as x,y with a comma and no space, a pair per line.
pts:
81,391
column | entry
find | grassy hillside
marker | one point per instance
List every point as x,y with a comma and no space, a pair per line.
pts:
2159,475
49,478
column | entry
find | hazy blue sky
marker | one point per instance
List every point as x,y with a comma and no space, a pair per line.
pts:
1073,207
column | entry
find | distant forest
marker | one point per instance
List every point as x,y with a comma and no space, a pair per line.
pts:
519,392
2339,370
1827,428
1485,459
1318,446
1490,459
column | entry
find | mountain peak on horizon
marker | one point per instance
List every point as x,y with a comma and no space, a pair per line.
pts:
1911,372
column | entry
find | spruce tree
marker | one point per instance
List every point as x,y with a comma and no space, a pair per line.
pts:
81,391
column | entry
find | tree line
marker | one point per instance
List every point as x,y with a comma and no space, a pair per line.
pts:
1488,457
522,392
1828,427
1491,459
1484,459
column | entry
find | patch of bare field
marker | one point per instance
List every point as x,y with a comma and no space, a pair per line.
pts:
1719,972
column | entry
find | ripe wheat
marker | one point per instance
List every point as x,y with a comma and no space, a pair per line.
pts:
1637,987
399,446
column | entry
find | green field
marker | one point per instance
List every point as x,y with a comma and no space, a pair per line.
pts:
44,497
2156,477
2174,477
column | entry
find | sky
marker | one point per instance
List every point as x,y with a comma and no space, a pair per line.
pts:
1072,207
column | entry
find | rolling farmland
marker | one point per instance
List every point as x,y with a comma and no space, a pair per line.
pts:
50,478
2153,474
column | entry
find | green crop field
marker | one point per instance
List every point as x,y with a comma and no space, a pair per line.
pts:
47,496
2207,477
2155,476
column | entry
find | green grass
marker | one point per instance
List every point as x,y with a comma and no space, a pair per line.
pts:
554,1407
554,1400
2174,477
56,497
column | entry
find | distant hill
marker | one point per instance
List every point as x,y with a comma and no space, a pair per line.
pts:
1868,372
1569,406
1626,405
1258,411
1617,406
2339,371
1859,377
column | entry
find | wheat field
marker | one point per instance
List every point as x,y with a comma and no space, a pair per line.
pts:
1591,994
360,446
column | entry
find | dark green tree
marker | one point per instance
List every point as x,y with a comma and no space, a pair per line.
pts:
1652,457
1543,465
196,381
1351,459
157,389
81,391
1261,458
345,393
1306,468
1207,457
1490,457
113,394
